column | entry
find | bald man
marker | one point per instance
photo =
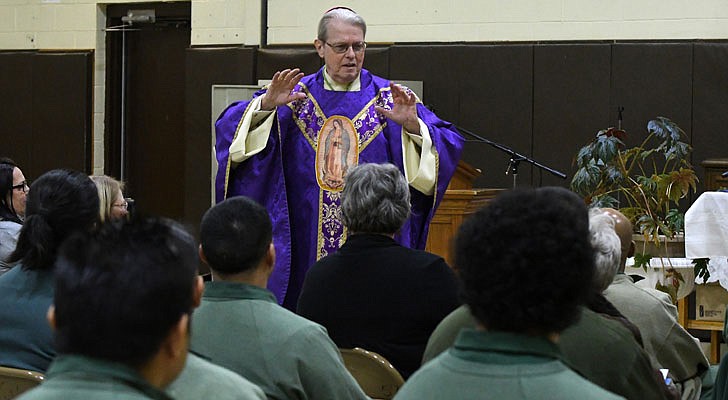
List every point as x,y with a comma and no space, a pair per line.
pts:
670,345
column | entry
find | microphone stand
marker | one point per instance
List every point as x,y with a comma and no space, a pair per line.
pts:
515,157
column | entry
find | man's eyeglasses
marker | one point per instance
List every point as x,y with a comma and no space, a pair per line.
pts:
22,186
341,48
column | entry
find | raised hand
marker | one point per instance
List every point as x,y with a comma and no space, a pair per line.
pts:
279,90
404,110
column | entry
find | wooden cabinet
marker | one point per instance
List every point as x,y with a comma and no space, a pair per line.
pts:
714,168
460,201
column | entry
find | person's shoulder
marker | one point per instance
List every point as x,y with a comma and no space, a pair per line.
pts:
570,385
201,379
602,329
628,291
419,258
10,227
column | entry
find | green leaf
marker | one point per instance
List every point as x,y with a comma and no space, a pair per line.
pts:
700,267
606,148
675,219
642,261
604,201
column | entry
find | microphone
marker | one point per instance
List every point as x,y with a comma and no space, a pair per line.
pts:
724,174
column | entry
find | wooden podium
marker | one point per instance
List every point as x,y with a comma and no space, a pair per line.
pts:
460,201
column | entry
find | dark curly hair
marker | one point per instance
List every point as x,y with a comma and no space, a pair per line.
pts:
525,261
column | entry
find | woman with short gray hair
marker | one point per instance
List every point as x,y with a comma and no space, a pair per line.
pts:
376,199
374,293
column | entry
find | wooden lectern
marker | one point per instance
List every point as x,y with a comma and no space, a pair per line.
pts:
460,201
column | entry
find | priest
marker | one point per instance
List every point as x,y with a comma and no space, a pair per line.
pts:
291,145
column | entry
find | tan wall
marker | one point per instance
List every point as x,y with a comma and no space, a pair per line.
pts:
76,24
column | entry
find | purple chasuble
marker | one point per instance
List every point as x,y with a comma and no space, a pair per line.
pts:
298,175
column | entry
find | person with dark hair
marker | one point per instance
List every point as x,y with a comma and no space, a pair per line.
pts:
374,293
517,259
290,147
602,345
60,203
652,311
13,192
239,324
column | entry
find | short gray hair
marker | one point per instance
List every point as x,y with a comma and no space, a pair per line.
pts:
607,248
341,13
375,199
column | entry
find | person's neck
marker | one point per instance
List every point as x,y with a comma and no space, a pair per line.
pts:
155,372
334,85
256,277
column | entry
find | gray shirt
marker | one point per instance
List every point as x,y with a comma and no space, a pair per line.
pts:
9,232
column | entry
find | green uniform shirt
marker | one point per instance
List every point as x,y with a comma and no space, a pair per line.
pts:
26,339
78,377
497,365
203,380
242,328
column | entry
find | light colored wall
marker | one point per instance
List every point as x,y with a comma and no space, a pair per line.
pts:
77,24
514,20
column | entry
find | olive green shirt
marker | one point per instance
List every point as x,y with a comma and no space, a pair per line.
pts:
242,328
600,349
78,377
499,365
203,380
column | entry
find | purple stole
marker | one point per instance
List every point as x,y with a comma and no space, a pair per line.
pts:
290,178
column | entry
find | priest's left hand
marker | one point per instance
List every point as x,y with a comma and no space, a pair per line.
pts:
404,110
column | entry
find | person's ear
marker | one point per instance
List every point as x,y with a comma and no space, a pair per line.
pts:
319,45
202,255
270,257
199,288
630,252
51,316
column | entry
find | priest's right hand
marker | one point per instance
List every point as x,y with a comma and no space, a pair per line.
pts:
279,90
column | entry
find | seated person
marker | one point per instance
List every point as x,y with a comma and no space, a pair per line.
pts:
652,311
374,293
60,203
121,314
516,258
112,204
13,192
239,324
602,349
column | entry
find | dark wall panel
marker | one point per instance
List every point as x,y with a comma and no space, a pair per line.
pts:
570,104
650,80
376,61
486,89
16,116
271,60
710,103
46,112
206,67
496,96
63,111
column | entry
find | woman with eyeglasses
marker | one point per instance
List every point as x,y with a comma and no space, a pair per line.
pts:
13,191
112,205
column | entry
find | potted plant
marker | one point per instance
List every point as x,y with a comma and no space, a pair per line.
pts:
645,182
